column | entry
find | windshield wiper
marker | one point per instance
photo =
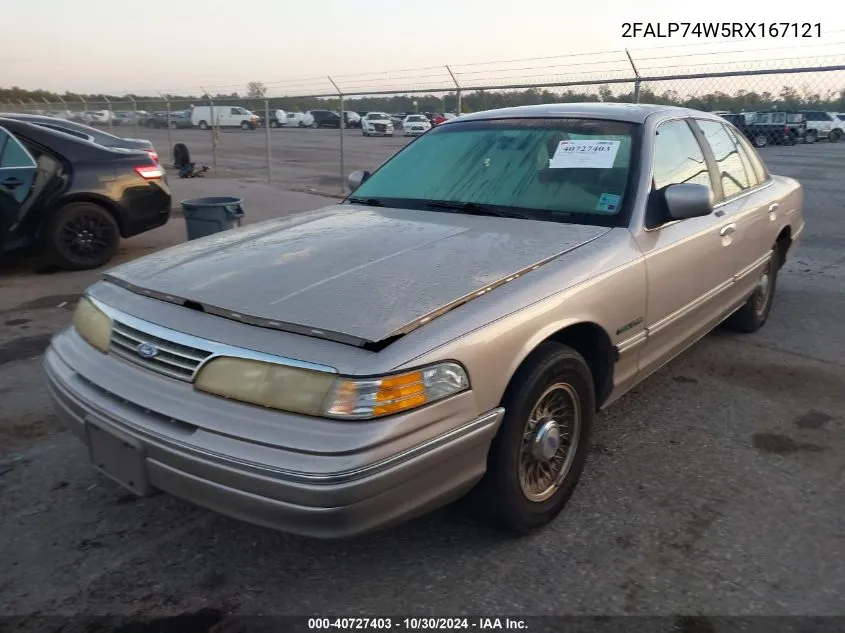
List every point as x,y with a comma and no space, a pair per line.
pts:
475,208
370,202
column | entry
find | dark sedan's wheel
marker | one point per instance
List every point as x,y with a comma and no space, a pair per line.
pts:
835,135
761,140
81,236
755,311
811,136
203,125
538,454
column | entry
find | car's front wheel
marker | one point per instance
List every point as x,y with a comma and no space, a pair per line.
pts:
203,125
81,236
761,140
539,452
835,135
810,136
755,311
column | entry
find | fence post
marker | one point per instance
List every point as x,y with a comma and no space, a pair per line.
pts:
342,128
213,134
169,132
457,89
111,114
637,81
267,136
135,125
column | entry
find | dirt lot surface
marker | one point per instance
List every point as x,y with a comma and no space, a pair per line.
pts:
716,487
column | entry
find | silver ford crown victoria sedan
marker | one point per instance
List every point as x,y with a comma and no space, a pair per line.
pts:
452,326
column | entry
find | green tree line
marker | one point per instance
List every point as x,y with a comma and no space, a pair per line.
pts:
788,97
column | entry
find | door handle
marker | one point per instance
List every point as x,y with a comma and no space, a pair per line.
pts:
773,207
728,229
12,182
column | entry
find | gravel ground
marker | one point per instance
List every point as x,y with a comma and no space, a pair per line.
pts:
716,487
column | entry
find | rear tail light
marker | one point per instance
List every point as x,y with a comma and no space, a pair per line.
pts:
153,154
149,172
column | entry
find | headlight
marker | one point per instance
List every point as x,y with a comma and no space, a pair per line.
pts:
266,384
92,324
327,395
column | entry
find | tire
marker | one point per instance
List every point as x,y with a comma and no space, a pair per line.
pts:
505,495
301,124
364,133
273,124
834,136
245,125
755,311
811,136
82,236
174,126
203,125
315,125
791,139
760,140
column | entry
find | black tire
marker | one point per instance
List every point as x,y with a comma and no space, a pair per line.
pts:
755,311
501,495
315,125
82,236
364,133
273,124
834,136
761,140
811,136
245,125
203,125
174,126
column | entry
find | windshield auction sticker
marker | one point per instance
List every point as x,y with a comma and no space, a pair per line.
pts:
584,154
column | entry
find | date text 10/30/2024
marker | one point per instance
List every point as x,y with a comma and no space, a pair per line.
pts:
722,29
417,624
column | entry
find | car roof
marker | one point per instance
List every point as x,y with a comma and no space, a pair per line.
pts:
628,112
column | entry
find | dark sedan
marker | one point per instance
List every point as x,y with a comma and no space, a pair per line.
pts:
72,198
178,120
86,132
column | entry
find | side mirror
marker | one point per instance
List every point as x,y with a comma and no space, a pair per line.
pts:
356,178
688,200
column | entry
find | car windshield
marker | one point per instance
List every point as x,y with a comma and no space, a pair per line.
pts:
416,119
377,117
565,170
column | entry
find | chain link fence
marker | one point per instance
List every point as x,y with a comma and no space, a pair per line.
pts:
284,148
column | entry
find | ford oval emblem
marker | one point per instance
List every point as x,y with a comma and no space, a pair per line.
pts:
145,350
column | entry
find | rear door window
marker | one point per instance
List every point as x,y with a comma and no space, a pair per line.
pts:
12,153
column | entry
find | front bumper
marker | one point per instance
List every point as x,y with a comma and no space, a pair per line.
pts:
343,493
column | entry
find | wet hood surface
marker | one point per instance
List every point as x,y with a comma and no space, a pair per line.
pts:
348,272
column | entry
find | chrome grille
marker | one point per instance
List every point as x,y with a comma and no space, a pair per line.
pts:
171,359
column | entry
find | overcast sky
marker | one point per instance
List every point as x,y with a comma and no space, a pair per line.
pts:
177,46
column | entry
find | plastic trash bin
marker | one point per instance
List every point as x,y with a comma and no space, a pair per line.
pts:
206,216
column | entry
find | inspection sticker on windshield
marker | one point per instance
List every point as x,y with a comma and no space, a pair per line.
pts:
584,154
608,202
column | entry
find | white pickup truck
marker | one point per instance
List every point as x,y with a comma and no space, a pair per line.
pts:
823,125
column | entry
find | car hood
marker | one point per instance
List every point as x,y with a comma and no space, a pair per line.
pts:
354,274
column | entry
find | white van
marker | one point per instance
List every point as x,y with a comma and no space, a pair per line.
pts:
224,116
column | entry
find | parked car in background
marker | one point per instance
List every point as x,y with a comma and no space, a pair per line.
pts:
278,118
295,119
377,124
86,132
415,124
73,198
462,328
352,119
777,127
823,125
99,117
437,119
204,117
323,118
155,120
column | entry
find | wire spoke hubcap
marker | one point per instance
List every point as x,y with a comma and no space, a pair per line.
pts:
549,442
